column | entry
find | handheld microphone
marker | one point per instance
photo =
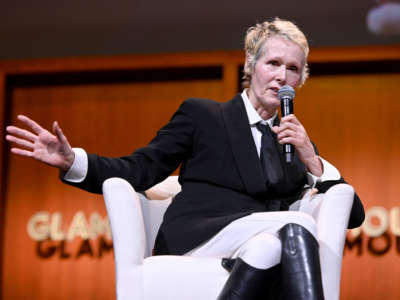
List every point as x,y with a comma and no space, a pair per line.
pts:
286,95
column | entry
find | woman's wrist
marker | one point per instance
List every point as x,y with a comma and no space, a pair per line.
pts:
314,166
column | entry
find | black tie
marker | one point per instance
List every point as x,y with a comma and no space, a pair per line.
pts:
269,155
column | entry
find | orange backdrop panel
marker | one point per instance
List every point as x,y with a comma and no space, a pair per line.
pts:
111,119
354,120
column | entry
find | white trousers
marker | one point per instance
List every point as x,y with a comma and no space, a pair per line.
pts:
254,238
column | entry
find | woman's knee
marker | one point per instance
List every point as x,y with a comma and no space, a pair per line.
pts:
261,251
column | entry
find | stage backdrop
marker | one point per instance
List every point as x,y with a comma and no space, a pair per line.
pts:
56,242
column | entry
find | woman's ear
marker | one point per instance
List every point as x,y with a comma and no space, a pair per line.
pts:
248,63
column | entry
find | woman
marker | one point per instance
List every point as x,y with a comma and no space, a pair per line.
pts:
236,187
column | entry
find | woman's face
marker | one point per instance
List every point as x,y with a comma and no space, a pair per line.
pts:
280,64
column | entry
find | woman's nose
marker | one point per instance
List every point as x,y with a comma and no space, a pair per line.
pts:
281,74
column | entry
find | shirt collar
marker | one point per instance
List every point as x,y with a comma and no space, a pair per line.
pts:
253,115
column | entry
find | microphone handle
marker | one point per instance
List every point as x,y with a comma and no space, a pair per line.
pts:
287,109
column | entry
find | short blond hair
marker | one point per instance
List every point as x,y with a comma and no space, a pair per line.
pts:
256,37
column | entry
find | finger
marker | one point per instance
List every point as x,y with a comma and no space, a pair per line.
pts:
287,125
58,132
291,118
288,140
21,132
286,133
20,142
30,123
22,152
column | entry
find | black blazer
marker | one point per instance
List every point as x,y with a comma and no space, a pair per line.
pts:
221,174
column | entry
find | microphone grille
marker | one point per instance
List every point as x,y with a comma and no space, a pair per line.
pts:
286,92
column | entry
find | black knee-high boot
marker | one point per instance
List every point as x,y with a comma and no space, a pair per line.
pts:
301,269
246,282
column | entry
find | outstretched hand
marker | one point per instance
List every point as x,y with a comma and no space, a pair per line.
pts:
50,148
291,131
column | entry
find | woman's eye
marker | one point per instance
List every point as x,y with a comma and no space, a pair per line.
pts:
274,62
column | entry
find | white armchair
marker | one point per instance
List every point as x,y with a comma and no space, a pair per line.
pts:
135,219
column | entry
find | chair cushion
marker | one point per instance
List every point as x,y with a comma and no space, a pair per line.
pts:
183,277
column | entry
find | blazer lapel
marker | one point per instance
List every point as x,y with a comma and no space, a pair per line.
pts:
242,144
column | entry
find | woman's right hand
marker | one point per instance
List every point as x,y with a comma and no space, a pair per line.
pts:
40,144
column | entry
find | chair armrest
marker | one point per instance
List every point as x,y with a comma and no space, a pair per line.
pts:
312,203
129,237
331,211
333,216
126,221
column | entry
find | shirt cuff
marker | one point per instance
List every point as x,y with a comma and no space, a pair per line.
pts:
329,173
77,172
